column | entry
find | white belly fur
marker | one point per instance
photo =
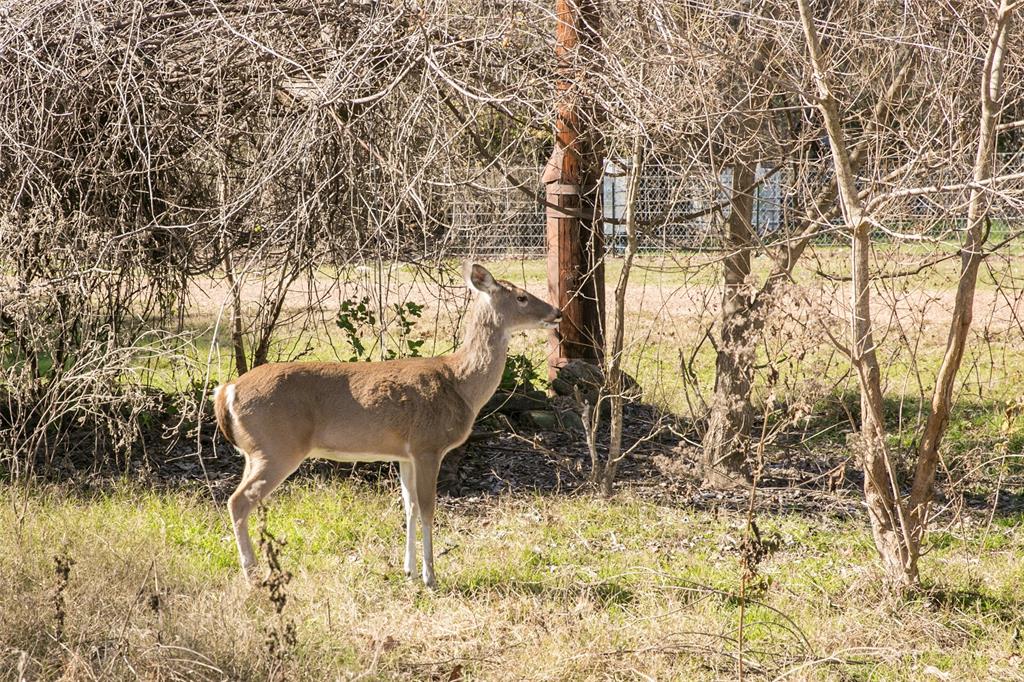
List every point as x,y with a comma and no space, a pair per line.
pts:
317,453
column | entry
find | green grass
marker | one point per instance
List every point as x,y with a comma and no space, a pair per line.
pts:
531,587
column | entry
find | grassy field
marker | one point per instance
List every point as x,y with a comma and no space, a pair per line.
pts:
128,581
531,588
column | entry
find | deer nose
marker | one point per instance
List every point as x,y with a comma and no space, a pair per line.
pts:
558,316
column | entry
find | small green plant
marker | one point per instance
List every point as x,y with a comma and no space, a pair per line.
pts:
353,319
519,373
357,320
406,315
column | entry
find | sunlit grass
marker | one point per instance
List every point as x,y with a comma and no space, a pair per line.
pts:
531,587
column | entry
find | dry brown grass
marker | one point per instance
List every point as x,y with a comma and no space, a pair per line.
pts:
531,588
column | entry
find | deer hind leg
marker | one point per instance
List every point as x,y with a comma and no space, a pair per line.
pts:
407,474
426,499
262,475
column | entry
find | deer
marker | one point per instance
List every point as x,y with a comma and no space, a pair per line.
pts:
412,411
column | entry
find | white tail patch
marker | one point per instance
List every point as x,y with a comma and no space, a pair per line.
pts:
229,399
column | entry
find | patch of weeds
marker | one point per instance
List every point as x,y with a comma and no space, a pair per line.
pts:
190,527
358,320
996,541
62,569
281,638
498,580
423,599
762,624
322,521
406,316
978,602
479,580
854,544
818,573
1011,520
534,558
941,540
356,315
518,373
690,570
626,520
941,662
753,549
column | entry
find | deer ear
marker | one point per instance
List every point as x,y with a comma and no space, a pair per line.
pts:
477,277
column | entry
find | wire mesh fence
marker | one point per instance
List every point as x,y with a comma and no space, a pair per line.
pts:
677,209
494,219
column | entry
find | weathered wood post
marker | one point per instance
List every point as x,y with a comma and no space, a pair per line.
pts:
572,177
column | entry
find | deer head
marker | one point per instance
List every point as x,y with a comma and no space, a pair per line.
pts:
514,308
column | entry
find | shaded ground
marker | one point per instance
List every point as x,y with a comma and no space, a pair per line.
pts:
517,459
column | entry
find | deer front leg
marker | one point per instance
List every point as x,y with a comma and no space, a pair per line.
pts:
407,474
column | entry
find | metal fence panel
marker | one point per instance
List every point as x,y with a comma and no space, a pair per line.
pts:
679,209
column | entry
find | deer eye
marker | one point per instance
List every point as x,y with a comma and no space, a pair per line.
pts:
521,298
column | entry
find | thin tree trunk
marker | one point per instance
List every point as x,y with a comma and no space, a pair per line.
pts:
272,311
970,259
613,380
237,338
727,438
885,512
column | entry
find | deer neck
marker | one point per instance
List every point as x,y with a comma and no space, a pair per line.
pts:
480,361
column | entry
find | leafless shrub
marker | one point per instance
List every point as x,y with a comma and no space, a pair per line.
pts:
147,153
75,397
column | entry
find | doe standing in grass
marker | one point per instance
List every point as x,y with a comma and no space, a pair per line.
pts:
411,411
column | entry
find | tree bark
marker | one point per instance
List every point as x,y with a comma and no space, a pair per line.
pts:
898,524
572,177
726,441
885,511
